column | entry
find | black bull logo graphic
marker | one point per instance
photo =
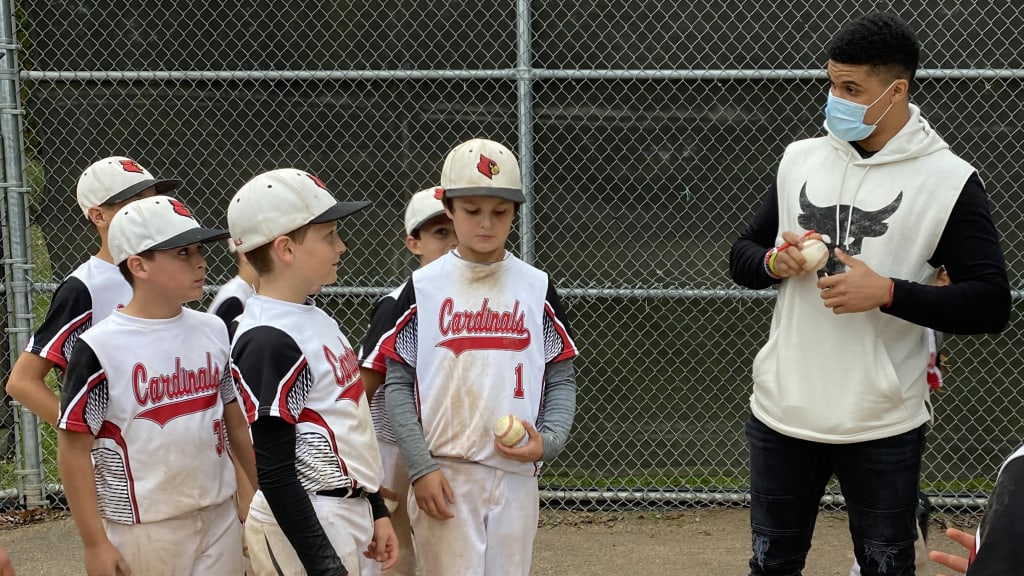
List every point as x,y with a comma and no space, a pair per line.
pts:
862,223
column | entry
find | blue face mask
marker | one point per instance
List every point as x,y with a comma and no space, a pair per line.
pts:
845,119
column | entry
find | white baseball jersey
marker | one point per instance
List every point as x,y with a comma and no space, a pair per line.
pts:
479,337
87,296
382,320
291,361
153,393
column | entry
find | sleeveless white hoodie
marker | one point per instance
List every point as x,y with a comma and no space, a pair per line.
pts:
856,377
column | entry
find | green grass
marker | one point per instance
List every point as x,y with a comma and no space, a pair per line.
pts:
954,487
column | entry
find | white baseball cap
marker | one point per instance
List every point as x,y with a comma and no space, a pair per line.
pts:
116,179
423,206
482,167
281,201
155,223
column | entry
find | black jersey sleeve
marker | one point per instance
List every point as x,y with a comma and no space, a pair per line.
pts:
85,392
228,310
401,340
69,315
1000,551
271,373
383,320
978,299
273,440
558,341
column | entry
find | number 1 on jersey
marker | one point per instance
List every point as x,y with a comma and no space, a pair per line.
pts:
519,392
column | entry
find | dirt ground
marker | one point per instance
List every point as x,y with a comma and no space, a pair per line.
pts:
704,542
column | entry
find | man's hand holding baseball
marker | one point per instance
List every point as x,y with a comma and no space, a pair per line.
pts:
857,290
788,261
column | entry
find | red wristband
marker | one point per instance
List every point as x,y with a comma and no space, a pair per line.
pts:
892,292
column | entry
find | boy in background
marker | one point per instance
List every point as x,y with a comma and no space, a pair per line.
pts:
91,292
429,235
230,300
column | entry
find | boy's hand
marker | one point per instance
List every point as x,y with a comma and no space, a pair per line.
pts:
532,451
433,493
952,561
384,546
105,560
388,494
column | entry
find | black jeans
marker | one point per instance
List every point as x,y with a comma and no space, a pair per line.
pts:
879,480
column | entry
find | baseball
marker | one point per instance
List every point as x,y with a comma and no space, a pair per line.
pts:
815,252
509,430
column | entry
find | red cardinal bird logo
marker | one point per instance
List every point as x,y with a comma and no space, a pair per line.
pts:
488,167
179,208
317,181
131,166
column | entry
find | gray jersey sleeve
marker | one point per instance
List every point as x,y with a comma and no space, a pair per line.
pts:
400,399
559,407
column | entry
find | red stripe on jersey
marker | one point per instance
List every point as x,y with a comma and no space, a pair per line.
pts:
461,344
568,346
245,394
388,343
353,393
73,418
111,431
164,413
375,361
314,417
282,399
54,351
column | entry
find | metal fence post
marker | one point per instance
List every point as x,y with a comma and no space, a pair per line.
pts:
524,87
18,290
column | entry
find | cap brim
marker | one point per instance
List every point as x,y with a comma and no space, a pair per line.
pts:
191,236
339,211
426,219
165,185
513,194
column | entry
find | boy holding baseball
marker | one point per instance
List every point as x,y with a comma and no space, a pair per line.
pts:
317,508
479,334
148,408
91,292
429,235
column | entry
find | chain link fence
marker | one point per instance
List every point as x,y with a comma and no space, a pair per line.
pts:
647,131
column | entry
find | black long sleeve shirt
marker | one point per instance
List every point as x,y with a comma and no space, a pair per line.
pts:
977,302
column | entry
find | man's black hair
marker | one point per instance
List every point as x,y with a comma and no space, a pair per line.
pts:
882,41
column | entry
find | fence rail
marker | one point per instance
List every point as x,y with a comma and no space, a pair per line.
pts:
647,134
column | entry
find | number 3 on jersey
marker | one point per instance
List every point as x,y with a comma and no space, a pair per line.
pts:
220,431
519,392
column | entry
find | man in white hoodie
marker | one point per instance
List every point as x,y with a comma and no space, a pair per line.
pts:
841,384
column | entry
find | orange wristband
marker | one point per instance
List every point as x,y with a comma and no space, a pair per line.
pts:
892,292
